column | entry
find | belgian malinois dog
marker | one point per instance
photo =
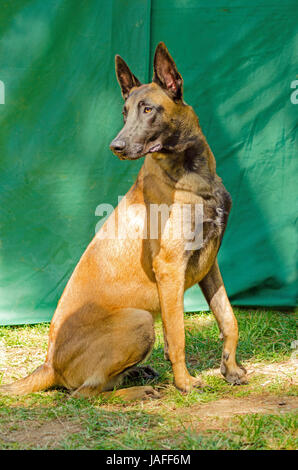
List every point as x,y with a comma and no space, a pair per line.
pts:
104,322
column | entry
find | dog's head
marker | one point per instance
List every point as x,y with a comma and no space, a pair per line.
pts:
156,119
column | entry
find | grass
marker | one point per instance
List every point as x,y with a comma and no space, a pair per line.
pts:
260,415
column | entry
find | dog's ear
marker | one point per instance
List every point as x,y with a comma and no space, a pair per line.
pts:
166,74
125,77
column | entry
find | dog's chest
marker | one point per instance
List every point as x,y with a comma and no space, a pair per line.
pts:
196,219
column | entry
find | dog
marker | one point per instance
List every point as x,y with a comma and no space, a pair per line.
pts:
104,322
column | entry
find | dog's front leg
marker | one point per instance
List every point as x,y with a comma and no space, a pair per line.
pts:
215,293
170,281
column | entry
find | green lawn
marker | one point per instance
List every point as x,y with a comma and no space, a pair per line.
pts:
260,415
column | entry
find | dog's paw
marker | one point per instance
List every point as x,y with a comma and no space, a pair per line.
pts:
151,393
234,376
140,393
189,383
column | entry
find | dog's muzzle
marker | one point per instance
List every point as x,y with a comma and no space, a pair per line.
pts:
117,145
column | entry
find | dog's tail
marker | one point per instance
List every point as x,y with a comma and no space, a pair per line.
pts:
42,378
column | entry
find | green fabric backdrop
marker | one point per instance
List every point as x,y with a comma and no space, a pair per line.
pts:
63,106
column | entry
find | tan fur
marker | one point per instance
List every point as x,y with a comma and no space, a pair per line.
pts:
103,324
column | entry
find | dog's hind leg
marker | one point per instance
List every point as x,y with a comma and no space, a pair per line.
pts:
213,289
127,394
128,342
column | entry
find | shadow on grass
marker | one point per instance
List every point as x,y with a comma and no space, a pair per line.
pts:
73,423
263,336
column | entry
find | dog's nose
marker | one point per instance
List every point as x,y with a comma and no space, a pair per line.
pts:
117,145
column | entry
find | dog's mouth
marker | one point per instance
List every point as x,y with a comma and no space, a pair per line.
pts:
157,147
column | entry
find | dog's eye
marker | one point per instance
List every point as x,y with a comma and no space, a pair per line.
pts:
147,109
